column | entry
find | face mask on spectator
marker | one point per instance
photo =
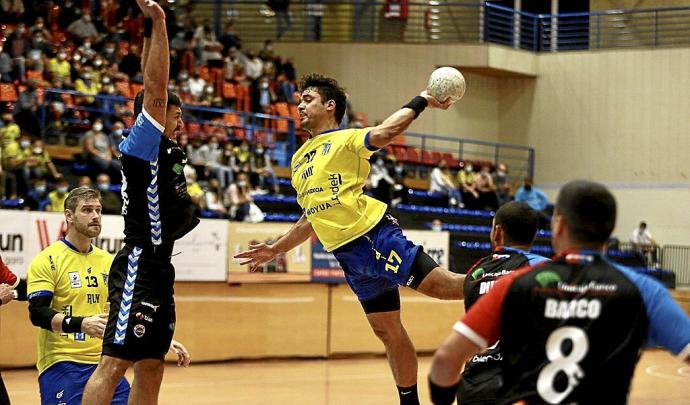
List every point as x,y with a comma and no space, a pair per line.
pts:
25,144
209,89
21,30
436,227
109,50
213,145
62,56
40,189
468,168
98,63
185,89
97,126
183,76
106,80
264,85
38,150
259,151
117,132
171,87
87,45
241,183
379,162
500,173
103,186
62,190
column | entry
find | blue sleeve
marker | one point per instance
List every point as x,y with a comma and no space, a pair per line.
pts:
520,195
144,138
669,326
367,144
536,259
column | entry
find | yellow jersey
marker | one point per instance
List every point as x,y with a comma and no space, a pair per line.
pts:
57,202
78,283
328,173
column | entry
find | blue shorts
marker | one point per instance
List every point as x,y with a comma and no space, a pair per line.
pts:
63,383
378,261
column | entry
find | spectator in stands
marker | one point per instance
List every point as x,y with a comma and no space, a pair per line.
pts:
5,178
238,197
380,180
210,48
20,160
644,243
115,136
86,85
85,50
6,66
39,27
442,183
196,193
37,198
110,53
57,197
196,156
289,69
533,196
44,167
26,109
99,151
262,95
287,90
40,47
131,63
109,200
242,155
212,156
260,164
113,72
486,189
84,28
18,44
229,161
59,68
229,39
504,189
468,186
400,190
214,199
254,66
9,133
197,84
85,181
436,225
283,17
70,12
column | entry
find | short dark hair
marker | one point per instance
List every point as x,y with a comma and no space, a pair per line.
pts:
328,89
589,210
80,194
519,222
173,99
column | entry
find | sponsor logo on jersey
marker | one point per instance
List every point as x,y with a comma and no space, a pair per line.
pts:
497,256
568,309
487,358
591,286
318,208
326,148
74,279
477,273
335,181
139,330
485,286
310,191
307,173
80,337
143,317
546,278
105,278
147,304
177,168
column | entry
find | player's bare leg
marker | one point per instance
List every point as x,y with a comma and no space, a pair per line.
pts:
101,386
443,284
148,375
399,348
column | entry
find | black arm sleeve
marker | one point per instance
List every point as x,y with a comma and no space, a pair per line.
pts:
21,290
40,312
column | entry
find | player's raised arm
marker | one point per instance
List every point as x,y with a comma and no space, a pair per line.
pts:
399,121
156,74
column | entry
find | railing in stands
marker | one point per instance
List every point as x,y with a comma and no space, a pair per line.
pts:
677,259
274,131
448,21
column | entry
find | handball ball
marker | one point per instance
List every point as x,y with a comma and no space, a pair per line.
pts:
446,82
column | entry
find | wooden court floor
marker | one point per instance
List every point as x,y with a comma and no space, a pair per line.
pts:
659,379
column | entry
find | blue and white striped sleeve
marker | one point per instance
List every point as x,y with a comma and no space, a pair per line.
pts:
669,325
144,138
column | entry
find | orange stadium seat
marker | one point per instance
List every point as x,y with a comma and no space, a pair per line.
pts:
8,93
412,155
34,75
426,157
435,157
295,115
231,119
136,88
228,91
243,98
124,88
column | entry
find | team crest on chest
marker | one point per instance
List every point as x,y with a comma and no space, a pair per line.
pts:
74,279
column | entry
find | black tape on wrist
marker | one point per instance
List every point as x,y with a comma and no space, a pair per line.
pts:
417,104
72,324
442,395
148,27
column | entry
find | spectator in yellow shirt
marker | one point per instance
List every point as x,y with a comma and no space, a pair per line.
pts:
86,85
57,197
60,68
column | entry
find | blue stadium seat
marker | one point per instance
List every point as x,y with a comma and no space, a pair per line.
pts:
12,203
445,211
280,217
284,199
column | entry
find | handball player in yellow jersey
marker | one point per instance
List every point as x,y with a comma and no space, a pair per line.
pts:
328,173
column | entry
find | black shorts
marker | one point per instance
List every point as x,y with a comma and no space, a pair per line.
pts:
481,380
142,308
